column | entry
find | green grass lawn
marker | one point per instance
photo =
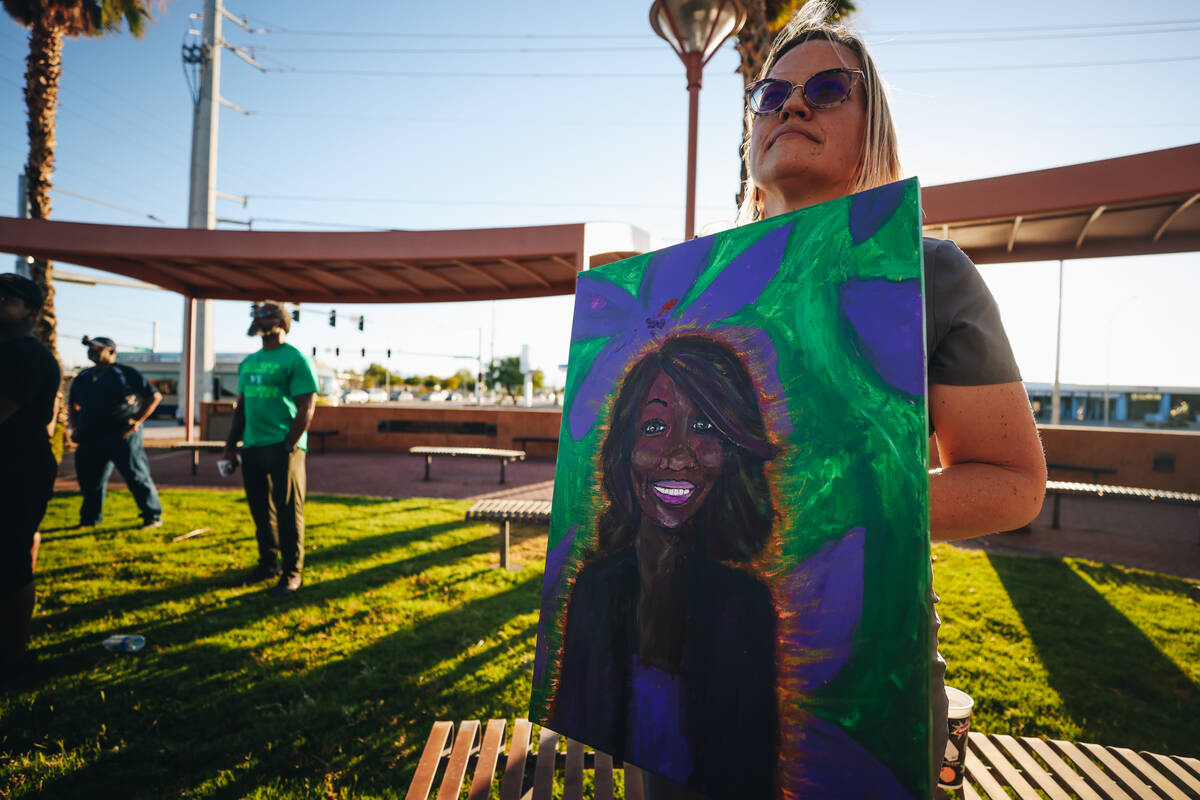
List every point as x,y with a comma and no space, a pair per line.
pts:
404,619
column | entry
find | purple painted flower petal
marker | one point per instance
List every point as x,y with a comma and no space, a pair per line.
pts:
888,318
556,559
829,763
602,309
869,210
601,380
742,280
823,602
671,274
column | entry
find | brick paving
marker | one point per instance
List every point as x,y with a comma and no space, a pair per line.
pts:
1162,538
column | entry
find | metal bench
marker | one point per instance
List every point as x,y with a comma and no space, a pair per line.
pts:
1060,489
196,447
998,767
1096,471
506,511
321,435
504,456
523,441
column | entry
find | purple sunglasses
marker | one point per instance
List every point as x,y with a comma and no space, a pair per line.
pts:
822,90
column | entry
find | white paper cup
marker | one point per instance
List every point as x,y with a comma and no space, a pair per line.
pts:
950,776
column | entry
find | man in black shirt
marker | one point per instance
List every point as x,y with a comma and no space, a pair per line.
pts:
106,408
29,383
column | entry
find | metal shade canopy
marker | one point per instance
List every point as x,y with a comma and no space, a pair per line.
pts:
697,26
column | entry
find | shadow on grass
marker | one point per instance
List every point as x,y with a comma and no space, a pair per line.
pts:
65,656
349,721
1113,681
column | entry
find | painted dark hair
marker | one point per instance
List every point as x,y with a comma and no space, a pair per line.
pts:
736,518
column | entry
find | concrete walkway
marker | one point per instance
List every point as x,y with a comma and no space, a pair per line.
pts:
1162,538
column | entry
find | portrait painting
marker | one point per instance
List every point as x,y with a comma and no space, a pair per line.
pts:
737,588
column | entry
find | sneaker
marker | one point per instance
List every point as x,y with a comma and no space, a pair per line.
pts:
151,523
259,574
287,586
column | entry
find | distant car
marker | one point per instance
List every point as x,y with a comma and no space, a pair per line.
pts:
377,395
355,396
406,395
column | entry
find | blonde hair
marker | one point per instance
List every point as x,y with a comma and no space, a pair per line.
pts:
880,161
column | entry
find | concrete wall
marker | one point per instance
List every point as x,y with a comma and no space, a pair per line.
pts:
1132,452
357,426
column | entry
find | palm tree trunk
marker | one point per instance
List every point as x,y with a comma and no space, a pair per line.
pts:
43,68
753,42
42,72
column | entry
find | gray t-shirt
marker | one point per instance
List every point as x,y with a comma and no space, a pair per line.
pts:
964,338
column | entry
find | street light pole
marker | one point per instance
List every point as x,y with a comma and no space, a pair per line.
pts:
695,68
695,29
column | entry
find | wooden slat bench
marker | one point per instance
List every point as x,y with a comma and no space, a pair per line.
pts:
1060,489
506,511
998,767
504,456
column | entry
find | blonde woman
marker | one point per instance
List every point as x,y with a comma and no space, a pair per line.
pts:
821,129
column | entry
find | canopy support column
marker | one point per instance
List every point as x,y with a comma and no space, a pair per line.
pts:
188,394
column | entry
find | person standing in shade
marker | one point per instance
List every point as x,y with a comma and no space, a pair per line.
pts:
277,393
106,407
29,381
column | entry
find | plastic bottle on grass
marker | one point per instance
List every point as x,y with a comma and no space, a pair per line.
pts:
124,643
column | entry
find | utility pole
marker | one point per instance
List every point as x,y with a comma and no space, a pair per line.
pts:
202,55
22,212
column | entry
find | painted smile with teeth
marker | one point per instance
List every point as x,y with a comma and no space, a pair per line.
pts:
674,492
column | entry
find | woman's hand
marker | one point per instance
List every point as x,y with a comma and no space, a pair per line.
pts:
993,472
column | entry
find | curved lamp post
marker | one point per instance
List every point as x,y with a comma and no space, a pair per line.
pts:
695,29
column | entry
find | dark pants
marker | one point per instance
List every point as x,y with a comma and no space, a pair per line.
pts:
94,462
26,484
275,483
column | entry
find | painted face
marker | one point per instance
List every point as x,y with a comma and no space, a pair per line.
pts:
804,151
677,455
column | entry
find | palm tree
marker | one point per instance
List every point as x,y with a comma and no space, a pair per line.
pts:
764,19
48,22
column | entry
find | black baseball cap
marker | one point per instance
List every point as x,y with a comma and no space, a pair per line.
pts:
99,341
19,286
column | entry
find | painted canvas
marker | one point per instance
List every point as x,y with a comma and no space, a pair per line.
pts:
737,584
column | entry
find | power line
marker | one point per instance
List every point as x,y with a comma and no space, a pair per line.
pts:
98,201
279,29
1011,67
1026,37
456,50
1023,36
425,202
614,75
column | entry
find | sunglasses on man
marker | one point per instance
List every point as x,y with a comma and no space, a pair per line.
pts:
825,89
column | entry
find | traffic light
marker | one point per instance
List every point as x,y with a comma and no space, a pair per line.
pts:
333,319
314,352
295,315
337,351
364,352
360,322
389,352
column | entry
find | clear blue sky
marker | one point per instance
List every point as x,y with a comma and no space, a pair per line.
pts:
447,116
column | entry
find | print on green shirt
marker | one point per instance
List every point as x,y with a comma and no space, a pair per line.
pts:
268,381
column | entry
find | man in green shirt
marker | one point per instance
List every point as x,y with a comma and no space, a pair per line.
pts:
277,392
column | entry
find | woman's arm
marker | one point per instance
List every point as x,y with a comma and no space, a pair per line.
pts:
993,473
